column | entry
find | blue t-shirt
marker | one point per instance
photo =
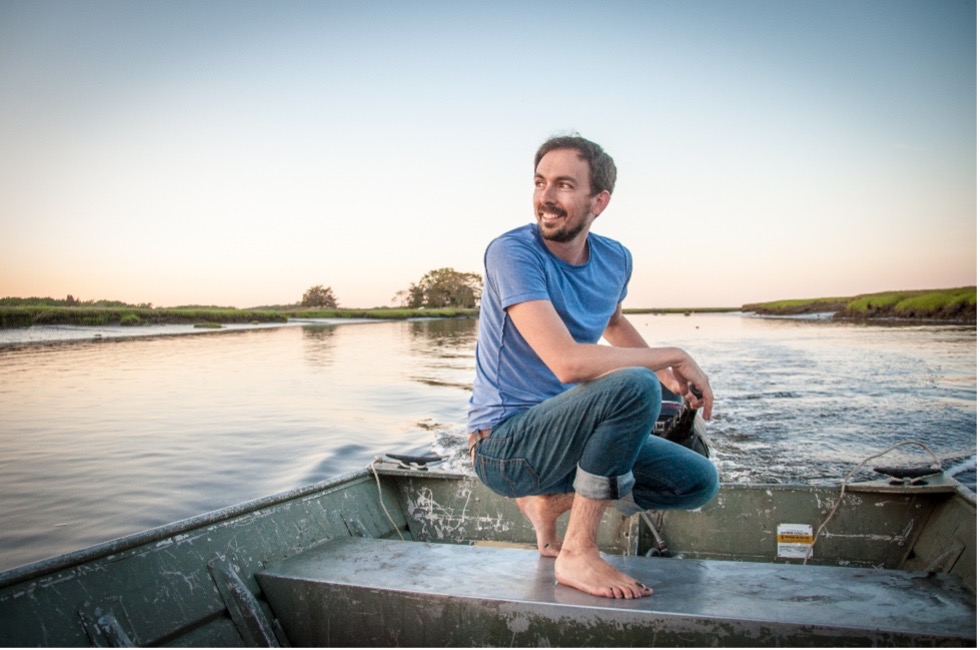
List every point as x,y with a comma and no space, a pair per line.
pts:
510,377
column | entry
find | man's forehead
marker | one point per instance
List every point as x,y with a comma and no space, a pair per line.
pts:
564,161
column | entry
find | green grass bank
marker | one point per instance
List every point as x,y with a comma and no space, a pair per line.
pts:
957,305
26,315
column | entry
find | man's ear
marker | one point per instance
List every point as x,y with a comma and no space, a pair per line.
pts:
600,201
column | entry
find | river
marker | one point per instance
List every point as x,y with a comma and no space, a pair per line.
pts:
110,431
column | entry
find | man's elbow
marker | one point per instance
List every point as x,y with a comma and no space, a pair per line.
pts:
565,377
570,371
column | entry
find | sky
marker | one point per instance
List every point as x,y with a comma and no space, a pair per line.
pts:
237,153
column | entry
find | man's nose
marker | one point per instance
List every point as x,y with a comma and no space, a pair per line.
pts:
546,193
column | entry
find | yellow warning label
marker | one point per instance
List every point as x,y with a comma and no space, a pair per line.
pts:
794,540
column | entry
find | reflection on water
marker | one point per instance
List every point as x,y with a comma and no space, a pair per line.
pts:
107,437
319,344
443,350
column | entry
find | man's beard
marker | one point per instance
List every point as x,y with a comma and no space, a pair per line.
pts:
567,232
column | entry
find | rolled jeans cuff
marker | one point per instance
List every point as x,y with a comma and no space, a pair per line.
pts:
602,488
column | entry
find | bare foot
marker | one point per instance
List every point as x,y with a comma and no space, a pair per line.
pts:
588,572
543,511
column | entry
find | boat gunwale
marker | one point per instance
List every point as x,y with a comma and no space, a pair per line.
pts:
107,549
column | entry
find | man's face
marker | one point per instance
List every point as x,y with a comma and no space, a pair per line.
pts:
562,202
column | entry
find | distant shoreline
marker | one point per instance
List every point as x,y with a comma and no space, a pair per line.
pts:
683,311
15,316
942,305
945,305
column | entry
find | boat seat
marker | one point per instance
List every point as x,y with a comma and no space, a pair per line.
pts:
380,592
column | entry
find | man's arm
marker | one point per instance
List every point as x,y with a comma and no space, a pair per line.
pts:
574,362
621,333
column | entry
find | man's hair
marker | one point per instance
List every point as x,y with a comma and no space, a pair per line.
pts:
602,169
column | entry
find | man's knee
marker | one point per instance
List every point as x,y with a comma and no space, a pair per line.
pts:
705,490
644,378
642,387
649,385
689,486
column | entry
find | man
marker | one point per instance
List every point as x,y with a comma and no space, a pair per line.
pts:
559,421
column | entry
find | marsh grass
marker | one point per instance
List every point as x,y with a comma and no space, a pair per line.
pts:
798,306
41,314
391,314
949,304
959,305
26,316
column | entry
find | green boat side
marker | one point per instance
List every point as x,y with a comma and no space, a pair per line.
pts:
234,577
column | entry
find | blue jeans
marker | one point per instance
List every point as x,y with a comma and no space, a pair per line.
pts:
595,440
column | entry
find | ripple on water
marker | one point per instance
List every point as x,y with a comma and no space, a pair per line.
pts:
104,438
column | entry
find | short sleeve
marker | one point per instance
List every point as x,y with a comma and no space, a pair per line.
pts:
629,273
515,272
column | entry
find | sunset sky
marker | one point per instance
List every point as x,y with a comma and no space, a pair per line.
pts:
237,153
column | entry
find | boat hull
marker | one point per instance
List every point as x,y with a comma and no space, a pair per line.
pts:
210,580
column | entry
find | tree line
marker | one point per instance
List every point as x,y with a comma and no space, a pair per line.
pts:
437,289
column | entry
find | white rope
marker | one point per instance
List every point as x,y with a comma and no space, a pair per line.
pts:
377,459
847,478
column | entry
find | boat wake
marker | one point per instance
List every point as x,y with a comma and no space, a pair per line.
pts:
965,472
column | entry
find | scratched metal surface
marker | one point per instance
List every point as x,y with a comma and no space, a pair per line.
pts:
158,584
160,588
463,510
388,592
874,527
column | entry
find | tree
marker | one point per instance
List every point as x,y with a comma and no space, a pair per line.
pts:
443,288
319,296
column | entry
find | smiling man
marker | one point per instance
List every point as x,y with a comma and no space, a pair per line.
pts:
558,421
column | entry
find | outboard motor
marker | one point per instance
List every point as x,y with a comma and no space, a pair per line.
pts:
681,424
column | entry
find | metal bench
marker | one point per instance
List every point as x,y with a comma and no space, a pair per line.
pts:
382,592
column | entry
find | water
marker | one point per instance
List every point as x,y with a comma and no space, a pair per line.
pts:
107,436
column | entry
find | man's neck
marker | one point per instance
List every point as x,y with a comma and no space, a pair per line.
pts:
575,252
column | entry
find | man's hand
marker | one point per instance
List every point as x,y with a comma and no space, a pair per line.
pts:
693,385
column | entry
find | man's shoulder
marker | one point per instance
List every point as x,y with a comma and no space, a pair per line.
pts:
608,248
522,238
526,234
605,242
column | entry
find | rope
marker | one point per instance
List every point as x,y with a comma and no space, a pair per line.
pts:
840,498
377,479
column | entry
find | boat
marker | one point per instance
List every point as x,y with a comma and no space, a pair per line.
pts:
410,552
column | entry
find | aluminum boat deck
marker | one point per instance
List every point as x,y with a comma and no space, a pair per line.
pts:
382,592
